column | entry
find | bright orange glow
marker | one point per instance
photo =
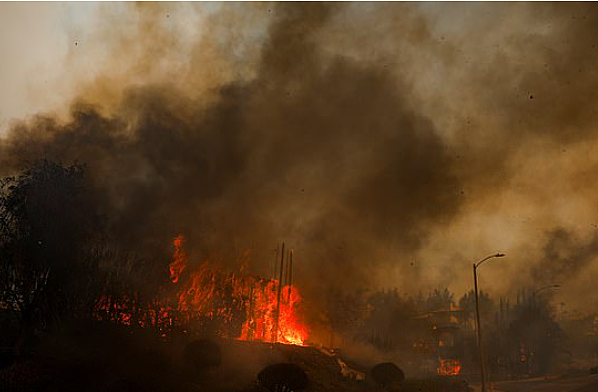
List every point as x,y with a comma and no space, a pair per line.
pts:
448,367
247,307
179,259
262,310
233,304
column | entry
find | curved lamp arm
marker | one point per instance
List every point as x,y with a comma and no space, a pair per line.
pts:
553,286
488,258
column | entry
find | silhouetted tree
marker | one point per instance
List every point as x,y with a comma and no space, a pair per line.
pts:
535,334
468,313
440,300
49,242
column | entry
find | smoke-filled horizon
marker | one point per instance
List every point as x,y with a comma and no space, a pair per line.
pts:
392,145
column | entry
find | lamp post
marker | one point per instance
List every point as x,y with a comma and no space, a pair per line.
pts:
477,311
552,286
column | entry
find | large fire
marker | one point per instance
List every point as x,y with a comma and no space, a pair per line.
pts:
238,299
232,304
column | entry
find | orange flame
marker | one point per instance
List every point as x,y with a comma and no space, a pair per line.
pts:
268,322
179,259
238,305
448,367
246,307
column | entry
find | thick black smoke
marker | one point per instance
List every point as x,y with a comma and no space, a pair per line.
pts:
374,139
324,155
565,256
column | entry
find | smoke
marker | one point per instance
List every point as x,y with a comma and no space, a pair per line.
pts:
390,144
565,256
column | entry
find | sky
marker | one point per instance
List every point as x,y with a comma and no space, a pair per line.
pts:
392,145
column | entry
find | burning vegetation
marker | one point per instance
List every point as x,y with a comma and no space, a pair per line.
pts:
236,305
266,309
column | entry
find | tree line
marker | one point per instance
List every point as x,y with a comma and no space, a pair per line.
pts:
521,335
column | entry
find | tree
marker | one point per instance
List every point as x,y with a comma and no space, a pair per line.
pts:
50,233
440,300
467,307
535,338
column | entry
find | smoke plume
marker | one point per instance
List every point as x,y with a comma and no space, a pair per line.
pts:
389,144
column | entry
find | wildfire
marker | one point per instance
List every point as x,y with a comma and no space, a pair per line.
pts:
233,304
245,307
448,367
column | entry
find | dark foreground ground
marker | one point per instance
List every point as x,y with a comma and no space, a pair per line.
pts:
90,357
565,383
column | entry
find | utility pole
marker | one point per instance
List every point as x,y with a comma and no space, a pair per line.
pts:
290,275
251,323
275,339
275,262
286,270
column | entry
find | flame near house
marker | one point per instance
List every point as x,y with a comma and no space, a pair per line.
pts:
448,367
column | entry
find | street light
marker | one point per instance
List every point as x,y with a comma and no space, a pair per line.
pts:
477,311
